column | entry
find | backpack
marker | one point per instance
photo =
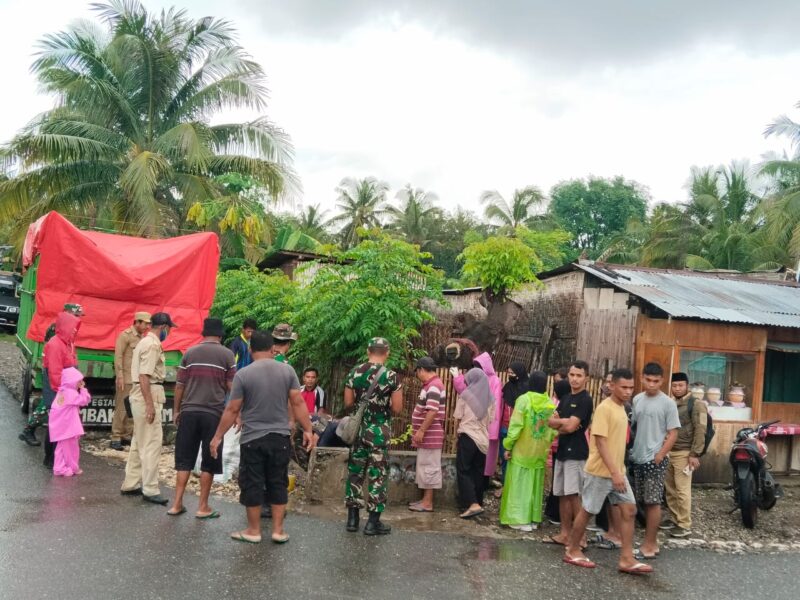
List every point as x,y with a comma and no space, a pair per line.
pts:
710,431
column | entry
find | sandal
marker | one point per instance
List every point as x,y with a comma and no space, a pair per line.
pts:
549,539
637,569
280,538
419,508
579,562
241,536
212,515
606,544
177,514
471,513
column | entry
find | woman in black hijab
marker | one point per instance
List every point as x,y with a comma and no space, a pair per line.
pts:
517,386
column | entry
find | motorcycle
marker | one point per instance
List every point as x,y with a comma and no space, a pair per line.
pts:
753,484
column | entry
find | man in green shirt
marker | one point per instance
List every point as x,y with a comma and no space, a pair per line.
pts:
284,337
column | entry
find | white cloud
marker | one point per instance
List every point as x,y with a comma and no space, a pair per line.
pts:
419,104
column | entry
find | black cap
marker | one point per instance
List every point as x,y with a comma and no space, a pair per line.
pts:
680,377
213,327
427,363
161,318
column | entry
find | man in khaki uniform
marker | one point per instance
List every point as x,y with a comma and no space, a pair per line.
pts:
684,457
122,425
147,401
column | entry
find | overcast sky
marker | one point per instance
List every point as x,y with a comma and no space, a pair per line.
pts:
460,96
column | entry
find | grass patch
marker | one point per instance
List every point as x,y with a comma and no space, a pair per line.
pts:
7,337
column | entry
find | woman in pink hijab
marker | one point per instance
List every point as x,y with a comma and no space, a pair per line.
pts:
484,363
65,422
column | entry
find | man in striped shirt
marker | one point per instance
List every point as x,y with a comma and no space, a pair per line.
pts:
427,424
204,378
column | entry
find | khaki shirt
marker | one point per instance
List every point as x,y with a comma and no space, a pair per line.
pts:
123,353
148,359
692,433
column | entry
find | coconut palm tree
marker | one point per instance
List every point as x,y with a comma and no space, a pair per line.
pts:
360,204
413,215
519,212
129,139
312,222
781,210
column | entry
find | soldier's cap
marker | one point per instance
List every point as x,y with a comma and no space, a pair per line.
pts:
284,333
142,316
75,309
162,318
427,363
378,343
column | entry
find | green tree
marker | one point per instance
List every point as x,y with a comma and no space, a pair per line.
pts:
414,216
501,265
519,212
781,210
129,141
551,246
360,207
592,211
269,297
377,288
312,222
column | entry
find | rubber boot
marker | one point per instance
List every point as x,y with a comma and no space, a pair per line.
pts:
29,437
352,518
375,527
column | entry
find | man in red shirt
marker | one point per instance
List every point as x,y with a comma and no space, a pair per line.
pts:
427,424
313,395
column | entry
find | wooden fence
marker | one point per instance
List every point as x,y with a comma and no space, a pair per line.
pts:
411,391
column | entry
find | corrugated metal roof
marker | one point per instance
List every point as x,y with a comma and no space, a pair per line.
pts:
707,296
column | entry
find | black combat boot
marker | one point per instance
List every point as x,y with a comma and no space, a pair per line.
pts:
29,437
375,527
352,518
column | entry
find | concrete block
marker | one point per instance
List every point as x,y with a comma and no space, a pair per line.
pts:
327,471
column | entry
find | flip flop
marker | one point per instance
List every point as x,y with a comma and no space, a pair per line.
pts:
240,536
177,514
606,544
212,515
418,508
280,538
637,569
549,539
639,555
472,513
579,562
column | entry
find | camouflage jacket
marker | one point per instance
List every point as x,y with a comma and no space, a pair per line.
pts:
378,410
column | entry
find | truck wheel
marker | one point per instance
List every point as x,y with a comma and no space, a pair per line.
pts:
747,500
27,387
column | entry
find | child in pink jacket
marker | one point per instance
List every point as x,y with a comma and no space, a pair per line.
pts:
65,422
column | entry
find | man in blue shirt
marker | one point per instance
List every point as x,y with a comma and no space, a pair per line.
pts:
241,345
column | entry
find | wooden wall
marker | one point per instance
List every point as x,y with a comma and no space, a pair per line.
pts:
659,338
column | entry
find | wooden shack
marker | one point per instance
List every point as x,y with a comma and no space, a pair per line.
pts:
737,334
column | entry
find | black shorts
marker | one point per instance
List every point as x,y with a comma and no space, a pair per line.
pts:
195,429
264,470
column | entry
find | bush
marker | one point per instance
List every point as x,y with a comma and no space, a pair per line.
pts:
500,264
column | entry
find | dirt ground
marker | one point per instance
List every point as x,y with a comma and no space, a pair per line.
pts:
714,526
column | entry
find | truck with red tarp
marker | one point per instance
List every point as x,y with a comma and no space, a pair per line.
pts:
111,276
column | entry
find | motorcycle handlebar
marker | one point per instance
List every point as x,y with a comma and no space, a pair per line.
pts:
769,424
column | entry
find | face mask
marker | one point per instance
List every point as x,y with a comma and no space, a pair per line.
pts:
162,335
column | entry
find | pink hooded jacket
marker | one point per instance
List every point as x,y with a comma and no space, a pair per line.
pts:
59,352
65,419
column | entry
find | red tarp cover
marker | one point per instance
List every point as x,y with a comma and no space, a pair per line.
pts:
114,276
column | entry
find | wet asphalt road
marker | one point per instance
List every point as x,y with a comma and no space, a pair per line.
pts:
78,538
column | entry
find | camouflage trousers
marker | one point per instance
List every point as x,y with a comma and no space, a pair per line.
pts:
369,458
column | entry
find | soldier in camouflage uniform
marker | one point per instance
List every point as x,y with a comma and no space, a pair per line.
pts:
369,456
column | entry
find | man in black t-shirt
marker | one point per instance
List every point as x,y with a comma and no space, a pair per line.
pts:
571,420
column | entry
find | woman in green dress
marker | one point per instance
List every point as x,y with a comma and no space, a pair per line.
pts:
527,445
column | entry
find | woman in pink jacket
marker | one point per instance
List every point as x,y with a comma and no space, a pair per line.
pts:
484,363
65,422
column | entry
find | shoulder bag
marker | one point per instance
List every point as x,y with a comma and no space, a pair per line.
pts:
349,433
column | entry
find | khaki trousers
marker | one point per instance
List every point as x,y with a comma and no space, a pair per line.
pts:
142,466
679,489
121,424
